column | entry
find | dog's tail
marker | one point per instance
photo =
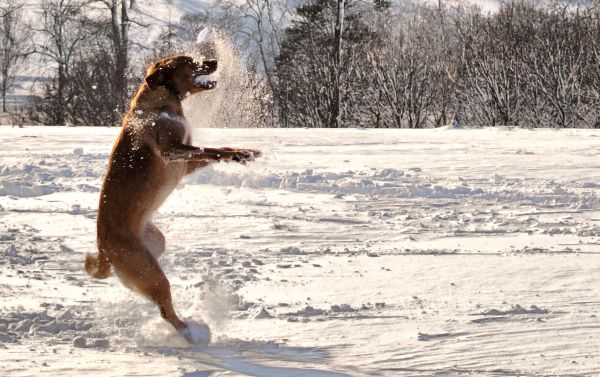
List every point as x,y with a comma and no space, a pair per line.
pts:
97,267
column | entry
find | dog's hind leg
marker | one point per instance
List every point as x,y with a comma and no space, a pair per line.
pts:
154,240
97,266
139,270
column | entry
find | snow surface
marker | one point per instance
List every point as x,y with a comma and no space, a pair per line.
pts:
356,252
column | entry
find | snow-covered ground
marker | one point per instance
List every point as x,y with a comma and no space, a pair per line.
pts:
340,252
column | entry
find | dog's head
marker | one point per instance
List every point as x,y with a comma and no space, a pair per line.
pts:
182,74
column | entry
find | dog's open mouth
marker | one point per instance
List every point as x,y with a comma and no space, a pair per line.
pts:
206,77
206,81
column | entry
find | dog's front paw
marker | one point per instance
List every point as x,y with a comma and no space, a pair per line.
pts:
242,157
196,333
245,155
255,152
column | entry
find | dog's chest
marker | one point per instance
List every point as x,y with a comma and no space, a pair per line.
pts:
178,124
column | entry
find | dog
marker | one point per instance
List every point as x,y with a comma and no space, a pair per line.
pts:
150,156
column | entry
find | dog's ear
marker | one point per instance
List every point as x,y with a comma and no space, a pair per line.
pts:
159,74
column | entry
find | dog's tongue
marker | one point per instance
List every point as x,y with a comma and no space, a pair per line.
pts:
206,81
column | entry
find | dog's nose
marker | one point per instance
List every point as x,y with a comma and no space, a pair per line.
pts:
210,64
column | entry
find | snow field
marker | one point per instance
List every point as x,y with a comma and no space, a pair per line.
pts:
367,252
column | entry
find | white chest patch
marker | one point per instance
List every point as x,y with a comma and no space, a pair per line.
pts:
177,120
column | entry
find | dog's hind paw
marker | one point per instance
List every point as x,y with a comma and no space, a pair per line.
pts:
196,333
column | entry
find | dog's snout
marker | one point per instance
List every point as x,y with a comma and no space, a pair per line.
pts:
211,63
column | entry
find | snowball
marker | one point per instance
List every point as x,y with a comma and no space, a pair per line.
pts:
202,35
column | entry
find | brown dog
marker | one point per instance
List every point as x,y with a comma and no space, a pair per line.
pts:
151,155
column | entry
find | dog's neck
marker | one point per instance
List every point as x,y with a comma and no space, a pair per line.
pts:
147,102
173,90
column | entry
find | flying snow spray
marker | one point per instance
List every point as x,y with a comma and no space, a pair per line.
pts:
233,103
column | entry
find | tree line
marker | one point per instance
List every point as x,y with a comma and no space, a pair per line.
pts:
80,50
329,63
530,64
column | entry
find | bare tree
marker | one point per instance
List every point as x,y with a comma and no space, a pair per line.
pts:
259,27
166,43
337,64
591,74
492,55
557,68
61,35
402,75
91,81
15,46
119,34
85,89
530,65
308,91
